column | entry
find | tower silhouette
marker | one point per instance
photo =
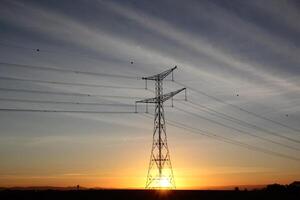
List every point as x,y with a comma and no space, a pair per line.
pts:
160,173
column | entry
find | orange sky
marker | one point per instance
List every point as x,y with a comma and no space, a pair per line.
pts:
193,168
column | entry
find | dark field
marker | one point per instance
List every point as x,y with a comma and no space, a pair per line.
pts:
145,195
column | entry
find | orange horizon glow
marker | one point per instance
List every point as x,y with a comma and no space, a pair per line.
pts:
132,175
133,182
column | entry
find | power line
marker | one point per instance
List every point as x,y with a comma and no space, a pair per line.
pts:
251,147
239,108
117,76
69,71
70,84
65,102
240,122
227,140
67,93
133,77
242,131
45,92
61,111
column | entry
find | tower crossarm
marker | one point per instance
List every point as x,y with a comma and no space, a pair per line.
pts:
160,76
161,98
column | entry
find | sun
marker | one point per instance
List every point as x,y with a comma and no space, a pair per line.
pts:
164,182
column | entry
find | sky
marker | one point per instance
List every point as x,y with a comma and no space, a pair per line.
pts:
239,61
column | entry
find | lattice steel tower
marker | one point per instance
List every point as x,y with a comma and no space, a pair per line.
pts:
160,173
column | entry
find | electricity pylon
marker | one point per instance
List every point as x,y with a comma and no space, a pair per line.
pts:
160,173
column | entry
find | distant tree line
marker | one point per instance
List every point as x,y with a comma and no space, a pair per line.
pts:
295,186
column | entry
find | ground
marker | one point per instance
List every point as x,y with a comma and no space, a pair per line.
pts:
146,194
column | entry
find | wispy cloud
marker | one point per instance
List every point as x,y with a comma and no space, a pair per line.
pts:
202,46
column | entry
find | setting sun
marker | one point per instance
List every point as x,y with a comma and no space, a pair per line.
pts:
164,183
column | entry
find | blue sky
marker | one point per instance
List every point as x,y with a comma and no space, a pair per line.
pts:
244,53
